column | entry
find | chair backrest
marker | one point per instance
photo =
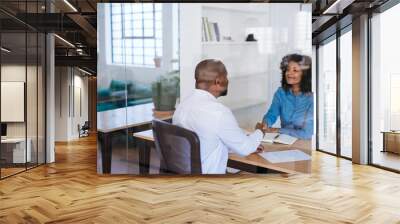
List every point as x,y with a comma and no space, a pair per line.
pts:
86,125
179,148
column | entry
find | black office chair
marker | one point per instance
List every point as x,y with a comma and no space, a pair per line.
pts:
84,130
179,148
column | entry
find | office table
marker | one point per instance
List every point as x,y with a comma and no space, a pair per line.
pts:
16,154
133,119
254,159
391,141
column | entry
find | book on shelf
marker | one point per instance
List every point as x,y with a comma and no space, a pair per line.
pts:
216,31
204,29
210,30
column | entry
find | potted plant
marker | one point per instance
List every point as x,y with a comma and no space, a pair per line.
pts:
165,92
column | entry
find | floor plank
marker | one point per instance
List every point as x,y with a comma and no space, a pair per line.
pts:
70,191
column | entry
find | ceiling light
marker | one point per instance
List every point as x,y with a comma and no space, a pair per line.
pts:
338,6
326,11
84,71
70,5
65,41
5,50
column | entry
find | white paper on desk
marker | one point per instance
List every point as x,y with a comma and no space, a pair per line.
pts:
279,138
285,156
285,139
269,137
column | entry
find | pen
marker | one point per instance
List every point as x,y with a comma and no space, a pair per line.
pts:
277,136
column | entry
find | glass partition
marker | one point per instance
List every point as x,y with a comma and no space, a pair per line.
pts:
14,145
147,55
22,88
385,89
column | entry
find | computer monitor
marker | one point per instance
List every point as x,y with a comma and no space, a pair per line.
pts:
3,129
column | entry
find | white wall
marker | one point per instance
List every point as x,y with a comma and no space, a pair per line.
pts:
33,126
70,83
253,68
12,73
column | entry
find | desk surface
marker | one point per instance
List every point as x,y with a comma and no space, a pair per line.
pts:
257,160
113,120
13,140
391,132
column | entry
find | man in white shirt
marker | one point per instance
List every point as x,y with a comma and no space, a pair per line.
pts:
213,122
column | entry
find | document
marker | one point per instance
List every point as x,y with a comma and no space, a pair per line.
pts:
285,156
279,138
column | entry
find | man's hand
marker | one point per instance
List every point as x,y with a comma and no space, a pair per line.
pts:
260,149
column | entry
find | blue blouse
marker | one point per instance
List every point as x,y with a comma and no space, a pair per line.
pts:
295,111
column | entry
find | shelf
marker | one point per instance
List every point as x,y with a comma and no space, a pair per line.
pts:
250,75
228,43
245,103
238,7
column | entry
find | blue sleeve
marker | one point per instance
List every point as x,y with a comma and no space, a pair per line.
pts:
274,110
306,132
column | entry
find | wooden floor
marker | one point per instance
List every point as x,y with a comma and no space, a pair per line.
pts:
386,159
70,191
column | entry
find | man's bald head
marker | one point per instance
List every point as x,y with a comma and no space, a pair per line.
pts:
207,71
211,76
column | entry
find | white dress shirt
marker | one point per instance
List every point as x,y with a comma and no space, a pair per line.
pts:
217,129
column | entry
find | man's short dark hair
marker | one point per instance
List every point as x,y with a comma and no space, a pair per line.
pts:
208,70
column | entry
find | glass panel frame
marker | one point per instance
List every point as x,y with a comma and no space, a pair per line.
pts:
328,145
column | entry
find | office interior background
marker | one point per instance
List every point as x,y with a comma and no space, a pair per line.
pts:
51,85
75,93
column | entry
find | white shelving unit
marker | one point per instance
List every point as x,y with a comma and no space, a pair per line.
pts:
236,76
244,60
239,8
228,43
244,103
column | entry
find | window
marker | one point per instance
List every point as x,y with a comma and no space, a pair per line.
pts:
327,97
346,94
385,89
394,101
136,33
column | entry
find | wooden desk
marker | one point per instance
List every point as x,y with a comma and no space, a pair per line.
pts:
14,151
391,141
133,119
254,159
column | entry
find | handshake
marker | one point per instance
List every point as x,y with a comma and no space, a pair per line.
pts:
265,129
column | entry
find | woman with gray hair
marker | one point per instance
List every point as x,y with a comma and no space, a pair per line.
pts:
293,102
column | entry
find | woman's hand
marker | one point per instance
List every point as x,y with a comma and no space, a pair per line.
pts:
272,130
265,129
